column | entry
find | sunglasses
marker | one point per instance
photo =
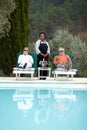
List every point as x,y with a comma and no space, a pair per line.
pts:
60,51
25,50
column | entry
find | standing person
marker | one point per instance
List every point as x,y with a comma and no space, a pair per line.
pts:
25,60
43,50
62,60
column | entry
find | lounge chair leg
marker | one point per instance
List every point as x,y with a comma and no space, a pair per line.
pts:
31,76
54,76
67,76
19,75
72,76
16,76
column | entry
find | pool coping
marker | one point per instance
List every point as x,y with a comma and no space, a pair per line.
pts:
76,83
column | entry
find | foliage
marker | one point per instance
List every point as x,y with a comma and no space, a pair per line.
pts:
72,44
49,22
49,15
78,13
6,8
18,36
58,18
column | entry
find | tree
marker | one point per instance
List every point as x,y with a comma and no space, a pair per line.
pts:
78,13
18,36
6,8
58,18
47,16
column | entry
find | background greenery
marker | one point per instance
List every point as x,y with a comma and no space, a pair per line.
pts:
22,20
65,23
73,45
49,15
18,36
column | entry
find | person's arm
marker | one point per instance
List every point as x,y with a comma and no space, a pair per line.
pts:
20,60
37,47
48,50
32,61
70,62
55,61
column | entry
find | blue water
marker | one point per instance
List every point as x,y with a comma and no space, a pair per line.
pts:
25,109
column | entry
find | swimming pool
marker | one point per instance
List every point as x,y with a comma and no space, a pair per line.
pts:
42,108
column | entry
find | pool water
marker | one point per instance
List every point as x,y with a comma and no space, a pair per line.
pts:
43,109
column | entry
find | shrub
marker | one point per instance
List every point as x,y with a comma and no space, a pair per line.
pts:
72,44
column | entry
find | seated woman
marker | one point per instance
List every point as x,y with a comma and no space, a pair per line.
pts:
25,60
62,61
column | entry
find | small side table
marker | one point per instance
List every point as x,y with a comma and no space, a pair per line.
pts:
44,69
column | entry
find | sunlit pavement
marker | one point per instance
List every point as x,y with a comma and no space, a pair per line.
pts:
61,82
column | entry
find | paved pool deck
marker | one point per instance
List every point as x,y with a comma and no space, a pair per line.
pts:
23,82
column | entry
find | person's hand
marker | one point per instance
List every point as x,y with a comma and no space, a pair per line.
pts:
45,54
42,54
56,65
70,67
20,63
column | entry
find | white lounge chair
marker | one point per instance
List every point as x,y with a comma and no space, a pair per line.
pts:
59,71
18,71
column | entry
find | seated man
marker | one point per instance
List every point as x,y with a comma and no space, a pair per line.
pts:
25,60
62,61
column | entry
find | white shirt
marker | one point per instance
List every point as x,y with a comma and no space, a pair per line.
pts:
25,59
38,44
